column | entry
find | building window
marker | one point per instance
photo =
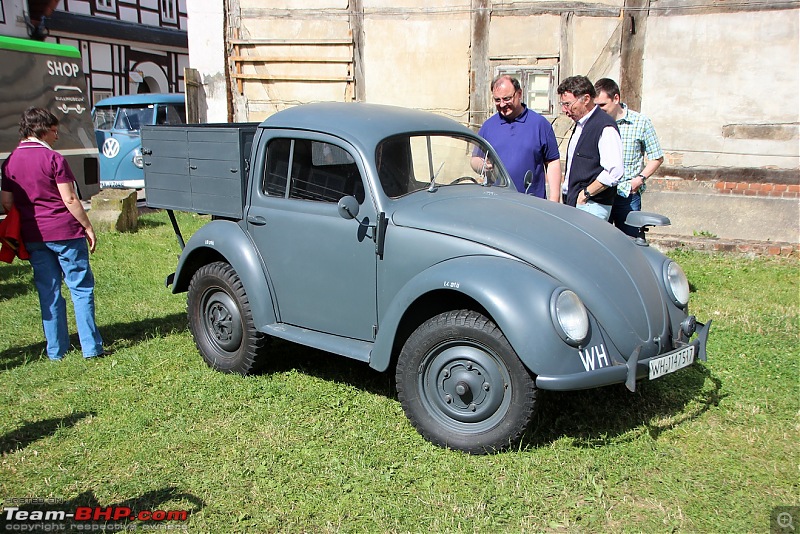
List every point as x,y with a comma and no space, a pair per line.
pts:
108,6
169,11
538,86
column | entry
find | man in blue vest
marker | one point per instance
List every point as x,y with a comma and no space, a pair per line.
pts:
594,153
523,139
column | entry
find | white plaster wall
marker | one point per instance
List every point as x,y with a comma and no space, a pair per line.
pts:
207,54
702,72
13,25
534,36
425,65
591,36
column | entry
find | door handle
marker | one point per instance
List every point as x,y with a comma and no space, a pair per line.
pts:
257,220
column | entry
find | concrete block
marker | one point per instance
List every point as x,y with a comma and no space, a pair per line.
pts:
114,210
736,216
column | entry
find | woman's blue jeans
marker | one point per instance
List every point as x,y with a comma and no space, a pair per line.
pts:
52,261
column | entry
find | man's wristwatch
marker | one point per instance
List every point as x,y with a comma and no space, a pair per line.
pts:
587,193
642,176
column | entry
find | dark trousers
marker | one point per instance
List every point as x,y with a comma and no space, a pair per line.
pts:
622,207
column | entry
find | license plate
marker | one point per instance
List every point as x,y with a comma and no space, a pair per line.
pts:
669,363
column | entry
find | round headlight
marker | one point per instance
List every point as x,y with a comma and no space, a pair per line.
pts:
137,158
570,316
677,284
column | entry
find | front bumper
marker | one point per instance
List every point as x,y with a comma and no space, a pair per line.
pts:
623,373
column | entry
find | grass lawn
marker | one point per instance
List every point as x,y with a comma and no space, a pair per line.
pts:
319,443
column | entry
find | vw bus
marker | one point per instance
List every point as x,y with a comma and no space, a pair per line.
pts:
117,124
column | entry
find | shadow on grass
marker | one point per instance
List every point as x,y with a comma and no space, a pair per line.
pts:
10,290
149,223
116,336
285,356
592,418
36,430
112,517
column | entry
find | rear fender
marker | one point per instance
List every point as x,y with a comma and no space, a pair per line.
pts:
226,241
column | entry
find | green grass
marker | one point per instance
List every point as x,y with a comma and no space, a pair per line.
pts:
319,443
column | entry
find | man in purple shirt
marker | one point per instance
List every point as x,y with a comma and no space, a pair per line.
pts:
523,139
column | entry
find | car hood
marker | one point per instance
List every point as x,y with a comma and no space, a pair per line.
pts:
602,265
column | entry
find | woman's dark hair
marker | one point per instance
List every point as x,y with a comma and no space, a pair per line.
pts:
35,122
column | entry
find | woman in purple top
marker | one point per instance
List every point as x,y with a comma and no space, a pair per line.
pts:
56,231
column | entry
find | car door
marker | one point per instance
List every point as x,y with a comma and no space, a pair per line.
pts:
320,265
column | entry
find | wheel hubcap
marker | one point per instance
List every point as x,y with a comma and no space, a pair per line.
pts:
223,322
465,385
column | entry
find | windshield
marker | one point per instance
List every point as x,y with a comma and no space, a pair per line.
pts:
103,118
411,163
130,118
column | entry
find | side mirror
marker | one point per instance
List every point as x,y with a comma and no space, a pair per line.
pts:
640,219
643,220
348,207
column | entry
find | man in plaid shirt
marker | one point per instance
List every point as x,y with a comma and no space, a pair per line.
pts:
642,153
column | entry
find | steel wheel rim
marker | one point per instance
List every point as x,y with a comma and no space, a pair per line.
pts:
465,386
223,323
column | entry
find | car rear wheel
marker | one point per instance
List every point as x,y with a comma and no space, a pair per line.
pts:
221,321
462,385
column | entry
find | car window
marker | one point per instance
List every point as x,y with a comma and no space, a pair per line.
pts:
170,114
409,163
312,170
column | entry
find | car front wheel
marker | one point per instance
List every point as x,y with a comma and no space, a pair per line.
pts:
462,385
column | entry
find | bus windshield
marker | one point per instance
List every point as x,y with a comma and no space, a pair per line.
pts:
132,118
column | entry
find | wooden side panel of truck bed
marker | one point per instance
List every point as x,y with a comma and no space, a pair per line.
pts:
200,168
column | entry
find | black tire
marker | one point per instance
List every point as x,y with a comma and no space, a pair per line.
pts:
462,386
221,321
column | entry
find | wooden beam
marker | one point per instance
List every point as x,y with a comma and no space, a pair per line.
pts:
480,72
274,59
282,78
358,89
292,42
632,52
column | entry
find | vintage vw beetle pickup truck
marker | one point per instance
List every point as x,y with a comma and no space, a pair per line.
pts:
364,231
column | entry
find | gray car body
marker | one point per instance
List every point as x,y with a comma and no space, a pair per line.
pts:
317,278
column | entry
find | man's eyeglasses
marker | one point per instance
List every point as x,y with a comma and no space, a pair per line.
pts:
568,105
505,99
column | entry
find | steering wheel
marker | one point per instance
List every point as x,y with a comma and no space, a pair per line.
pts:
464,179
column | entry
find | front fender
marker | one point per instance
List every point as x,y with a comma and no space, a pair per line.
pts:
516,296
226,241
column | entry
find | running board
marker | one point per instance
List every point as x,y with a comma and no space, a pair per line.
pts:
343,346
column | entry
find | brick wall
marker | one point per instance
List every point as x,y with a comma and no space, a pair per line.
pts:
756,189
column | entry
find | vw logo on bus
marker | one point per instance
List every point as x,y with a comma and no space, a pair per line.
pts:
111,148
